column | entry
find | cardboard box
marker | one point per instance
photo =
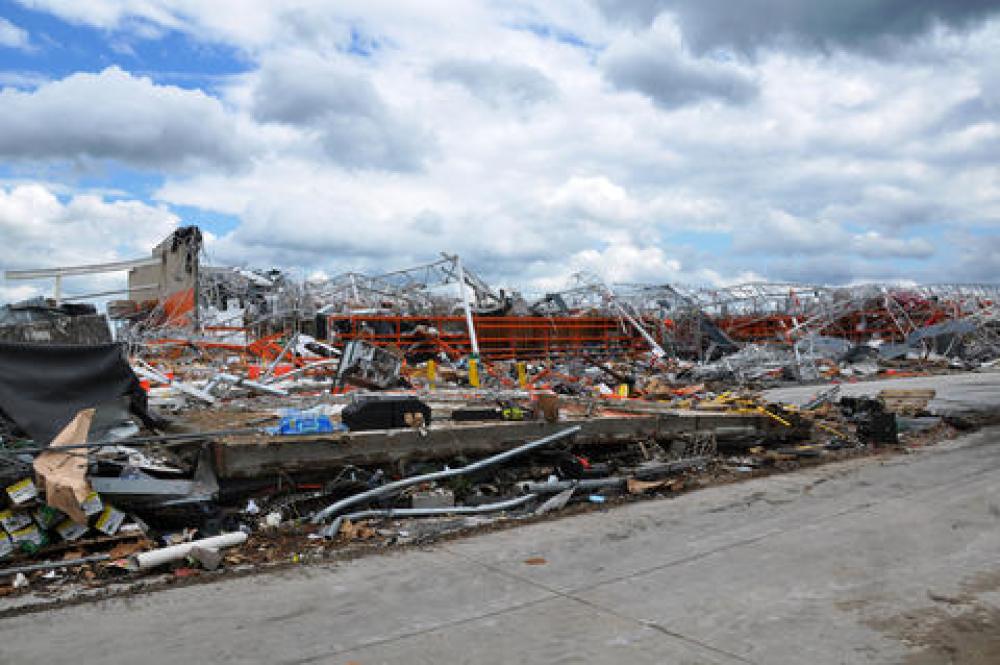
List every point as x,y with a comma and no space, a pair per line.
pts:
92,505
31,536
12,520
69,530
22,491
109,521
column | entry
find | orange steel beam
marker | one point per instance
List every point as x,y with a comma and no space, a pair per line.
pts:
499,337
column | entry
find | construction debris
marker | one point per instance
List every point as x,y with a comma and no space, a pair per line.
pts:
246,417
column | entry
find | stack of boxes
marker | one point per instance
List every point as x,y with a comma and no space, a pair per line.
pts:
27,524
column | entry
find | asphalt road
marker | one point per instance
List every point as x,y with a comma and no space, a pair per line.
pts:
867,561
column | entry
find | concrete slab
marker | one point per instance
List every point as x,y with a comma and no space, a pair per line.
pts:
249,456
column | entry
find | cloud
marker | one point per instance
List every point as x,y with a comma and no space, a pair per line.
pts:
658,66
353,124
497,83
601,200
40,230
536,139
892,207
233,19
874,245
595,197
780,233
980,259
116,116
624,263
751,24
21,79
12,36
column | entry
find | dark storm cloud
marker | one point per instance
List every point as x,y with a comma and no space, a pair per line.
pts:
748,24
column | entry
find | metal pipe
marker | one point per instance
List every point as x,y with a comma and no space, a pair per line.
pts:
616,481
137,441
334,528
149,372
82,270
394,487
240,382
656,349
274,365
50,565
563,485
300,370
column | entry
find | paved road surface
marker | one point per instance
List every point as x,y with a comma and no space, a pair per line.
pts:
831,565
798,568
955,392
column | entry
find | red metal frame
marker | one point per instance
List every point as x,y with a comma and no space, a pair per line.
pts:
858,326
500,337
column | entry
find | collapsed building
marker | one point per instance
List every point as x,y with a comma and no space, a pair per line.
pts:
238,400
444,308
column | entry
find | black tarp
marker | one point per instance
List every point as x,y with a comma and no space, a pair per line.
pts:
42,386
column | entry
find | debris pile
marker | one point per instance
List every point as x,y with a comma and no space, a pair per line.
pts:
246,418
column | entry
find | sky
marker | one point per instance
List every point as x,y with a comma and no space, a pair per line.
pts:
703,142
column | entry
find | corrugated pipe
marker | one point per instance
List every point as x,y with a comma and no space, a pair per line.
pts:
397,486
334,528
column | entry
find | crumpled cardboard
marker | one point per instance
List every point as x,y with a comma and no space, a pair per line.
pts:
63,473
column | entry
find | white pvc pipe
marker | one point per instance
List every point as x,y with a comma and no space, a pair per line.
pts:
146,560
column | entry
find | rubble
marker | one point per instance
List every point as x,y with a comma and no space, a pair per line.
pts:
244,417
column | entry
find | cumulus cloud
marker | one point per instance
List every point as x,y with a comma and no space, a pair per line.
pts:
894,208
41,230
354,125
750,24
624,263
497,83
12,36
232,19
659,66
114,115
980,259
536,139
781,233
595,197
874,245
600,199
